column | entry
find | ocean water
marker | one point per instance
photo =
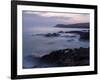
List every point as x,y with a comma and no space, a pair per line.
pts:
36,44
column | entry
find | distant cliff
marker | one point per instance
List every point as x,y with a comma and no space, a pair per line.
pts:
78,25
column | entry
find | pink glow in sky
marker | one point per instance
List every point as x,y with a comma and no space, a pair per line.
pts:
43,18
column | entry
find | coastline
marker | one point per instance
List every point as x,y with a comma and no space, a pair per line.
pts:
63,57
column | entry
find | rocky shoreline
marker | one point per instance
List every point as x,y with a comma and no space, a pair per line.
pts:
62,58
68,57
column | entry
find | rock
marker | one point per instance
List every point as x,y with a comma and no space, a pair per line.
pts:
69,36
83,35
77,32
68,57
61,32
70,40
52,35
77,25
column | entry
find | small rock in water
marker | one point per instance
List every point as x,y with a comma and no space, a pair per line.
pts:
52,35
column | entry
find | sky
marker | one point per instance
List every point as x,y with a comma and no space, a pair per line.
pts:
48,19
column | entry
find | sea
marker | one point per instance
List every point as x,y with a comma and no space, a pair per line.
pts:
36,44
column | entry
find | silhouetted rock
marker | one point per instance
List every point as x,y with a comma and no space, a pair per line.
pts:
78,25
68,57
70,40
52,35
69,36
61,32
77,32
83,35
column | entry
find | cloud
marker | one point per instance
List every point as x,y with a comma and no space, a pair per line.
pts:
58,14
53,18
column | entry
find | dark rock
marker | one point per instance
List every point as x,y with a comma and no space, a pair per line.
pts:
78,25
61,32
77,32
85,30
70,40
52,35
71,36
83,35
68,57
